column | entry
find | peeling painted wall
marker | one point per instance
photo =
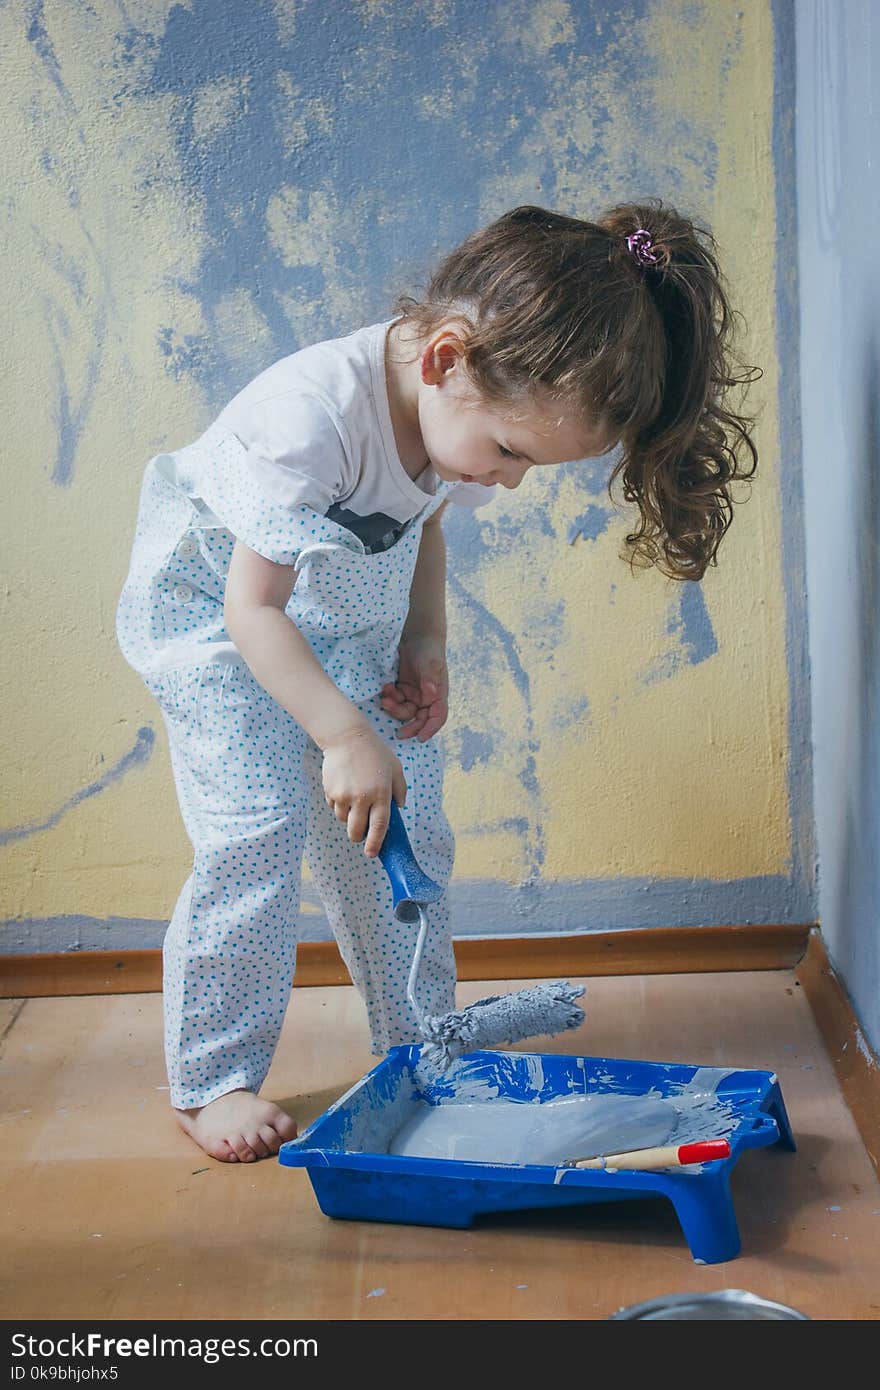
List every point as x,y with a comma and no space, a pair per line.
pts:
191,191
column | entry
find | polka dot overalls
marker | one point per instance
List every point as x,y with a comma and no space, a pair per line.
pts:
248,776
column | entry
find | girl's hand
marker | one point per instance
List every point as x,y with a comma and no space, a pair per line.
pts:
360,775
420,696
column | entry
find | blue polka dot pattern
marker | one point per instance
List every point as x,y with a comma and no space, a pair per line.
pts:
194,503
248,777
249,786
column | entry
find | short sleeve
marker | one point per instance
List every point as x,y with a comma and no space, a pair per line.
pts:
472,494
269,494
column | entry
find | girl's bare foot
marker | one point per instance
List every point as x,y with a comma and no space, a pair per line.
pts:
238,1127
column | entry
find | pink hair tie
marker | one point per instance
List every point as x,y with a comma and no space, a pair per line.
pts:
641,246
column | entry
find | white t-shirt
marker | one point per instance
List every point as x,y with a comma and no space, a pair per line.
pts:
317,428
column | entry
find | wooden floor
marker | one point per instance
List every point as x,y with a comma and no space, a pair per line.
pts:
110,1212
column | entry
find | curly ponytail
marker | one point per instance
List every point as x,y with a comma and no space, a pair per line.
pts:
634,334
678,467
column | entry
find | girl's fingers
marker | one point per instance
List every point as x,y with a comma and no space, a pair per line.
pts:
379,820
421,712
400,709
358,817
408,691
412,726
432,726
402,701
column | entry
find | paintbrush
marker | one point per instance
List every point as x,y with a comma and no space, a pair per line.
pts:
664,1156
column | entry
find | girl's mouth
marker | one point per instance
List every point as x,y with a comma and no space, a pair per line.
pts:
468,478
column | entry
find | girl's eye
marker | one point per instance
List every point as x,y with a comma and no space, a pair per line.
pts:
506,453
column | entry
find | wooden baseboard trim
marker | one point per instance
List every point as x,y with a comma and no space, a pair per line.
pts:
641,951
855,1066
644,951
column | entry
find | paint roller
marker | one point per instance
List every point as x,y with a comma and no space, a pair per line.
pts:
542,1010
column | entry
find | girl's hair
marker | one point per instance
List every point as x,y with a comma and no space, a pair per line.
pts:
562,307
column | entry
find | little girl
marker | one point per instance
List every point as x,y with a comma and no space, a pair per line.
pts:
285,598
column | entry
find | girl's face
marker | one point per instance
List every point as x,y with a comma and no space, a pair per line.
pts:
470,441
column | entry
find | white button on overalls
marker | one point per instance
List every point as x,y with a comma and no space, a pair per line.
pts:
187,548
183,592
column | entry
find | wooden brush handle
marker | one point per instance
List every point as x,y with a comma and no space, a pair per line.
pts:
666,1156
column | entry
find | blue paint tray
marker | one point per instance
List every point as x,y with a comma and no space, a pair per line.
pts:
354,1177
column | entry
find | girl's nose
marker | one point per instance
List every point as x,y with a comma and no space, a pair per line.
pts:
514,475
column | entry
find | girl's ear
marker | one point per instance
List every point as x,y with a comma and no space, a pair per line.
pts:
440,356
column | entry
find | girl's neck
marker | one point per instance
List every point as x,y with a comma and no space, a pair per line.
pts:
402,381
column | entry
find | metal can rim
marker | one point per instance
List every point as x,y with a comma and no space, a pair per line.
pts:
722,1298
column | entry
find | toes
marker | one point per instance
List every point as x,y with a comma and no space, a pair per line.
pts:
271,1138
242,1149
285,1125
238,1132
220,1150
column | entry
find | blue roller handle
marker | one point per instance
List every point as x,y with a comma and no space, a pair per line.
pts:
410,886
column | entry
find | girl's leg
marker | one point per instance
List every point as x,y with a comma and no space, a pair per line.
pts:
356,893
230,949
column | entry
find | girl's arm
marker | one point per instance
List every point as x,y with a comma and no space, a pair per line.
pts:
427,595
360,771
257,593
420,695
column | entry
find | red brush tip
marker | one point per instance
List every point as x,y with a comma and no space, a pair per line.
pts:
704,1151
